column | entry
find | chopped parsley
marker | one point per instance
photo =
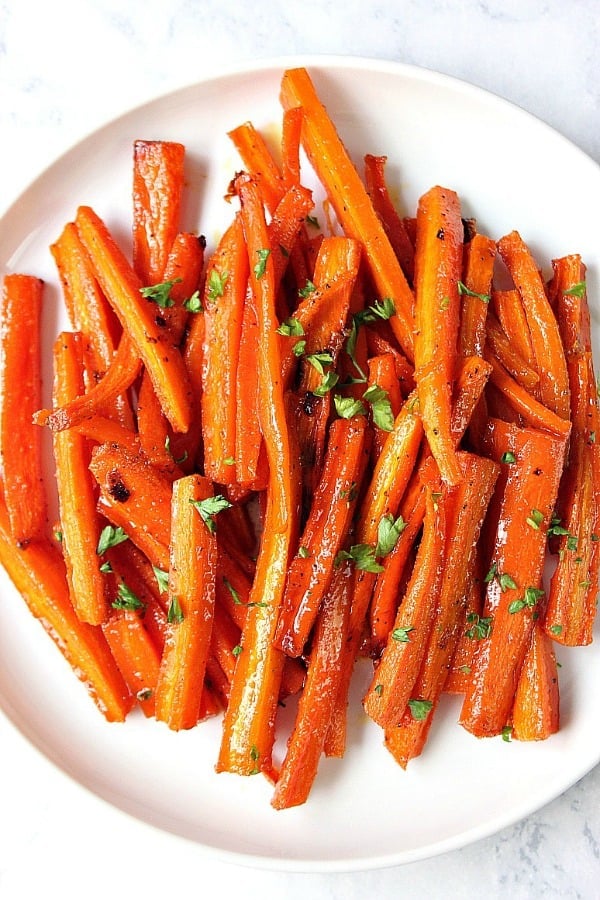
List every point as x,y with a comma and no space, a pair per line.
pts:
401,634
261,266
216,285
383,416
578,290
480,627
388,532
110,537
291,328
420,709
126,599
209,508
193,304
467,292
162,579
175,612
160,293
363,557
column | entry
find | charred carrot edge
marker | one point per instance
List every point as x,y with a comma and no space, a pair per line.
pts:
535,414
466,509
536,710
136,497
398,668
224,295
478,267
513,598
509,357
311,570
137,314
20,393
377,189
545,337
248,728
438,269
39,576
80,522
100,399
352,205
508,308
299,768
192,571
158,179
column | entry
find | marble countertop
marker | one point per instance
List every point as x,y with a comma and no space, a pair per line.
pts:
67,67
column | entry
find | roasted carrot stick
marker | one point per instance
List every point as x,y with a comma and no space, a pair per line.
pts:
473,628
466,509
38,574
395,228
536,710
543,328
535,414
438,269
135,654
350,200
395,674
508,308
137,314
80,522
248,729
514,579
507,355
136,497
158,179
382,374
475,289
259,162
192,597
571,609
318,698
224,296
20,397
311,570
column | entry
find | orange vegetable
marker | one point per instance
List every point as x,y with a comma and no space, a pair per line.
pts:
20,397
536,712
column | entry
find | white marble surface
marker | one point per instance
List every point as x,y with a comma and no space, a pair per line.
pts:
65,68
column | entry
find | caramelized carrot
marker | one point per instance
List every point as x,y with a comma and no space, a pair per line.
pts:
20,394
80,522
545,337
438,268
507,355
395,228
318,698
38,574
350,200
158,178
478,266
513,581
508,308
311,570
248,729
135,654
193,560
536,710
137,314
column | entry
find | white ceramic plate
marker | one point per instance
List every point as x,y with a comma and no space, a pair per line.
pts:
511,172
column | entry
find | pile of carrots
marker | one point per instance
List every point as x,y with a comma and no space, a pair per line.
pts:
324,441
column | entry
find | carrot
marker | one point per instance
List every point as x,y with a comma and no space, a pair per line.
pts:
507,355
466,509
545,337
192,598
347,194
535,414
459,672
224,297
38,574
508,308
135,497
290,146
137,314
475,289
259,162
299,768
571,609
20,397
438,264
397,670
395,228
382,375
311,570
248,728
135,654
158,178
535,713
513,581
80,522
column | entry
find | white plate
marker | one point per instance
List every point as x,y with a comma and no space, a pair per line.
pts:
511,172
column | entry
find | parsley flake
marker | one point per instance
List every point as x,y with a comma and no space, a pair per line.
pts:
480,627
556,629
261,266
209,508
348,407
193,304
308,289
508,457
401,634
237,650
578,290
291,328
467,292
507,733
162,579
175,612
381,407
126,599
420,709
160,293
110,537
363,556
216,285
535,519
388,532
